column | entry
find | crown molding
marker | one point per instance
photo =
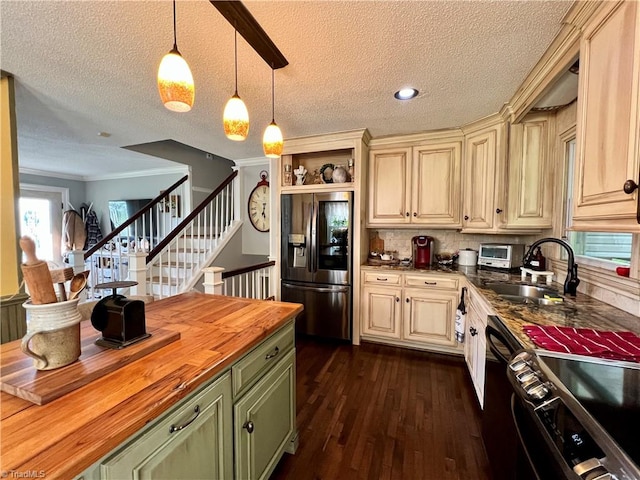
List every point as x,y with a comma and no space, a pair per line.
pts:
139,173
45,173
252,162
326,142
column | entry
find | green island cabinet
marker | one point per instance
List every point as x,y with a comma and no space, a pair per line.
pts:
238,425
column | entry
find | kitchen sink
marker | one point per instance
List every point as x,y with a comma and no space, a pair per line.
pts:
527,294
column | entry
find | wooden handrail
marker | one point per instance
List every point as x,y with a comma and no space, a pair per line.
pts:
182,225
250,268
136,216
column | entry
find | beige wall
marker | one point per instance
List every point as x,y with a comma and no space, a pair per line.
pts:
9,278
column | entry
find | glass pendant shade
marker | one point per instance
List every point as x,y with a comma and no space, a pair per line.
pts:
272,142
236,119
175,82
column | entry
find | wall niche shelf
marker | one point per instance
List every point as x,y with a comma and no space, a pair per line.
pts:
317,164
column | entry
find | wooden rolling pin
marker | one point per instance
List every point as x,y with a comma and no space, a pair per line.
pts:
36,275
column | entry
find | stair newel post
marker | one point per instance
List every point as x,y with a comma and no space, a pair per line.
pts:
138,272
76,260
236,214
213,280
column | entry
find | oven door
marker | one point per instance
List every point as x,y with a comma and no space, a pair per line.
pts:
506,458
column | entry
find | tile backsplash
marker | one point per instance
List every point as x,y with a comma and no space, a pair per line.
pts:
445,240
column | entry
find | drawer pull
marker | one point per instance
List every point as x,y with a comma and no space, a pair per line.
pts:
196,412
269,356
430,283
248,426
381,279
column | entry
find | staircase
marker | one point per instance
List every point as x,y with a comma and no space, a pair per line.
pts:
175,262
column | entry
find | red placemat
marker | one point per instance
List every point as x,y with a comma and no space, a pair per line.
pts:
586,341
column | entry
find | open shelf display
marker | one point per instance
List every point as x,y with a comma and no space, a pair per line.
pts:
320,167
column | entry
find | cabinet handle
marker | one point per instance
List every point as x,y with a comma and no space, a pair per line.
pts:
248,425
430,283
407,214
381,279
629,187
415,214
473,331
268,356
174,428
397,299
406,299
498,210
466,217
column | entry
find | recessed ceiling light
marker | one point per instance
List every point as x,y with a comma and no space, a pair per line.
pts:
406,93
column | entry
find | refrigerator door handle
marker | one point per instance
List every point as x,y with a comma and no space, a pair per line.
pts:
314,232
309,216
317,289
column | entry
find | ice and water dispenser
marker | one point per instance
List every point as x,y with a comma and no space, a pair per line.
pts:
297,251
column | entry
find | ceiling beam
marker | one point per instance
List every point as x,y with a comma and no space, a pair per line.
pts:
241,19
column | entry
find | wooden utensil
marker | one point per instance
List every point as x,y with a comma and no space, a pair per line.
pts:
60,276
36,275
376,244
78,283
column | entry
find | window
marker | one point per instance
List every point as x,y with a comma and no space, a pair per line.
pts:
605,250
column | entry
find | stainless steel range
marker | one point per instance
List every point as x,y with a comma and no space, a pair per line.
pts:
577,417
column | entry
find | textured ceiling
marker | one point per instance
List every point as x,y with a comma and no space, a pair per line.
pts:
83,67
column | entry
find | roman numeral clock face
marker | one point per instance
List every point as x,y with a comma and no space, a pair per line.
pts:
259,208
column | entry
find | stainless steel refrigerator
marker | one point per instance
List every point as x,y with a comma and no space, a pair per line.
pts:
317,261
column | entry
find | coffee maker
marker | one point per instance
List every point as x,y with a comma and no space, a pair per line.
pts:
422,247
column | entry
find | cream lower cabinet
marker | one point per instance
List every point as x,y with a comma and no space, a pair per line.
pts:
608,124
475,340
416,185
194,442
237,427
410,309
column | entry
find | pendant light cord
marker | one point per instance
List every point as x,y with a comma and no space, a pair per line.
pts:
273,97
235,56
175,42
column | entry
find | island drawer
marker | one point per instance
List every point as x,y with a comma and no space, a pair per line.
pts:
432,281
256,363
382,278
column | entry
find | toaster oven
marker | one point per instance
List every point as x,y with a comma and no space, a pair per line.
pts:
501,255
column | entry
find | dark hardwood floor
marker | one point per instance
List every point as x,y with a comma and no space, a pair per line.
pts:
378,412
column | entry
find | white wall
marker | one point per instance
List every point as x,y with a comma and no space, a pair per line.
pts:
253,241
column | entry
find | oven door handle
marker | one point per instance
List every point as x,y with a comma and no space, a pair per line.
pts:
516,422
492,332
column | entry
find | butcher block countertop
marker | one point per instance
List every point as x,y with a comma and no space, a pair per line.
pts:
63,438
581,311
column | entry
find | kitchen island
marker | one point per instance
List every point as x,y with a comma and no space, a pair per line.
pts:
64,438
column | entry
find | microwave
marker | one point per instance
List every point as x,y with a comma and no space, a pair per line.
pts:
501,255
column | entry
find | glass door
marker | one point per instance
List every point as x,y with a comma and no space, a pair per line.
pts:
41,219
333,237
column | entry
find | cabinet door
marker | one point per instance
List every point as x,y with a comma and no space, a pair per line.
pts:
530,173
608,120
265,421
195,442
474,350
480,175
429,316
389,185
435,189
381,311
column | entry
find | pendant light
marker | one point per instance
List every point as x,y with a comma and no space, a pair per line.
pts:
236,116
272,142
175,82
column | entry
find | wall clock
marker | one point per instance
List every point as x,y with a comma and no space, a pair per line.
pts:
259,205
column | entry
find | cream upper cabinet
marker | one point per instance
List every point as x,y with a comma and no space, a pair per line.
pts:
481,155
530,173
435,186
608,124
389,186
416,184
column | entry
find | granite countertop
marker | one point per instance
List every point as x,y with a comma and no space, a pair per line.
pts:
581,311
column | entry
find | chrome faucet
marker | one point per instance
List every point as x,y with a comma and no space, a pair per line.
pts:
572,281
